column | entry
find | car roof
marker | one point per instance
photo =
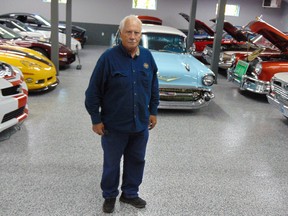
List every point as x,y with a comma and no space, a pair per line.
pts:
8,19
18,13
161,29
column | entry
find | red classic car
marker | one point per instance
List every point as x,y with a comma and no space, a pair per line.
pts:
150,20
66,55
244,41
204,36
254,72
248,42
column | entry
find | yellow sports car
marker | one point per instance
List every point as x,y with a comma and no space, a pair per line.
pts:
39,72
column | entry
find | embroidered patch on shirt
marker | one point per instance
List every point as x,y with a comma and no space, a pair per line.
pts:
146,65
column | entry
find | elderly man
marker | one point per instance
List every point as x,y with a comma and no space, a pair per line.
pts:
122,100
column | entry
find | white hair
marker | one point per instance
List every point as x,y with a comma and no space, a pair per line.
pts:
129,17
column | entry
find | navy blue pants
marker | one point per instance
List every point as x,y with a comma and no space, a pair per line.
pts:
132,146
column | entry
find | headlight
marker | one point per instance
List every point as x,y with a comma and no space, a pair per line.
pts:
208,80
5,70
258,68
233,58
29,80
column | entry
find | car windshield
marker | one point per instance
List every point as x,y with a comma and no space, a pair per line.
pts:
21,26
163,42
43,20
6,33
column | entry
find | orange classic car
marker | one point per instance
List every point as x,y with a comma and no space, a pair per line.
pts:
254,72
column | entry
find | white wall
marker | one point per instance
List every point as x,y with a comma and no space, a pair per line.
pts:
112,11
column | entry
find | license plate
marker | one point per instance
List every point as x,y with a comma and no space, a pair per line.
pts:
241,68
283,110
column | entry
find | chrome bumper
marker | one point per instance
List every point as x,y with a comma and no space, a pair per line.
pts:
46,88
249,83
225,65
187,104
278,105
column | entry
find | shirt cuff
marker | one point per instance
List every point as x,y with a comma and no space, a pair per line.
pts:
96,119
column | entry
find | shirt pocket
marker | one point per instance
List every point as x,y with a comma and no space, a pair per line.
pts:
119,79
145,78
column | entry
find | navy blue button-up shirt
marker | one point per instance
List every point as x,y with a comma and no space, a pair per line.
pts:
123,91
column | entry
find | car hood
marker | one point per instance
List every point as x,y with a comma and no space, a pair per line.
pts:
199,25
275,36
179,70
150,20
236,33
282,76
24,53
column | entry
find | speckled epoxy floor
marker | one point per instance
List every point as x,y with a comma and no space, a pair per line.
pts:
227,159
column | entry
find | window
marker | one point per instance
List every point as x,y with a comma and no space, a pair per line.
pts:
144,4
164,42
60,1
230,10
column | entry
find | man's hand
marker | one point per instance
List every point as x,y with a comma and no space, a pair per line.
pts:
98,128
152,122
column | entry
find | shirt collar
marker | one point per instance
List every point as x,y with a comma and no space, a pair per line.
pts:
138,51
125,51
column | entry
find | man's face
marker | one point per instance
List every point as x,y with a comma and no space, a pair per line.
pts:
131,34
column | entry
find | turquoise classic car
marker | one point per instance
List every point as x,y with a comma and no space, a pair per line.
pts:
184,82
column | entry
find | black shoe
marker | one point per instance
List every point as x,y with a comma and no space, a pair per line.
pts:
108,205
136,201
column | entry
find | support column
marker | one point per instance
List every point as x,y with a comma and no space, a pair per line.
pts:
54,34
68,22
218,37
190,39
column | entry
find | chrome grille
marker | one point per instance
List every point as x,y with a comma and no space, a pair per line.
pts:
174,94
280,93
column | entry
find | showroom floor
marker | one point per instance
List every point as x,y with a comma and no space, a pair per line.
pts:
228,159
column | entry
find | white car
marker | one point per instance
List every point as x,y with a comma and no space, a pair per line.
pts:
13,96
26,31
75,45
278,94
